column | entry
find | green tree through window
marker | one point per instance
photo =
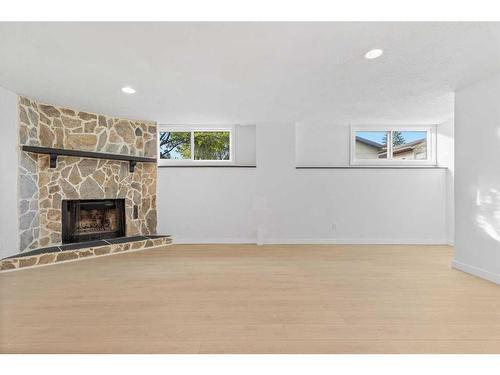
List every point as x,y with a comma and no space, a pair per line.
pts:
208,145
175,145
211,145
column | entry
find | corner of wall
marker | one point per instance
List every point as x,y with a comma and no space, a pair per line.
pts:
477,183
8,178
476,271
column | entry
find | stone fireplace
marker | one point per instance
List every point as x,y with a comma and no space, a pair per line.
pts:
94,219
47,192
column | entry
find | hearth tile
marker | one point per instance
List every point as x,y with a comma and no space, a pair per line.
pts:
102,250
83,245
116,248
27,262
66,255
42,250
85,253
158,241
153,236
138,245
7,265
126,239
88,249
47,258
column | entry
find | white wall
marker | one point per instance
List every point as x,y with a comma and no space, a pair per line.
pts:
8,175
323,144
245,136
207,204
477,183
446,158
302,206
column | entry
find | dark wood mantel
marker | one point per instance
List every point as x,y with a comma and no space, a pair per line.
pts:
55,152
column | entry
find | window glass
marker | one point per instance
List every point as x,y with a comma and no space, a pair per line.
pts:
409,145
371,144
175,145
212,145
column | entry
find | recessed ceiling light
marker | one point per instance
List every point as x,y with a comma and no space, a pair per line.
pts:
374,53
128,90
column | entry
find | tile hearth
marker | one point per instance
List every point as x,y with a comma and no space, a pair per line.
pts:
74,251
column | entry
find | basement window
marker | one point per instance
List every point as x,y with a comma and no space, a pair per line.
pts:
393,146
200,145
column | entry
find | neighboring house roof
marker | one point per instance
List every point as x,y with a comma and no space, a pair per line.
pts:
400,149
406,147
368,142
409,146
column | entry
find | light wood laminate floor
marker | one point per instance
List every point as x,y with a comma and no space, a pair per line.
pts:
252,299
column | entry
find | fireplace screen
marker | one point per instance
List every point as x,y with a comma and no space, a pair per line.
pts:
87,220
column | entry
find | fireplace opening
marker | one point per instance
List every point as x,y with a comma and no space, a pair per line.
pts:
92,219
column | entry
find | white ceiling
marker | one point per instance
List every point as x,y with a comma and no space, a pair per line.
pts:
250,72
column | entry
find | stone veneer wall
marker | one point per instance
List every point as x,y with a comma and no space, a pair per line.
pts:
42,189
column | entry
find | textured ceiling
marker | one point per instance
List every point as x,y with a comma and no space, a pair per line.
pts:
250,72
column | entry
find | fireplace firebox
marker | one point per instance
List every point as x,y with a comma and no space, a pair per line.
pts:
92,219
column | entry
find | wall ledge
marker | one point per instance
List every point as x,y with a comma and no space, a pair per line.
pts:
372,167
206,166
476,271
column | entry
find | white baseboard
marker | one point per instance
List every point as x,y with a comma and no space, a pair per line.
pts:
476,271
354,241
194,241
311,241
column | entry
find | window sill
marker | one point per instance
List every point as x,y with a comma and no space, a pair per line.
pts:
207,166
373,167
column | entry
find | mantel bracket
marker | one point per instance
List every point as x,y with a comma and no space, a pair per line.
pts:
131,167
53,160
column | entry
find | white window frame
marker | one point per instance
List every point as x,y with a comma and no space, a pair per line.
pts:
192,130
431,146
